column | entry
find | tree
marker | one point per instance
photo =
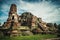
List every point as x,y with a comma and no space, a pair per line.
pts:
0,23
55,25
59,30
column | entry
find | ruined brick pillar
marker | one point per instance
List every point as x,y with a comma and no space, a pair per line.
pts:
12,18
12,22
34,22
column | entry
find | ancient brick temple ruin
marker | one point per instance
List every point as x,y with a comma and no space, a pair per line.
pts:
25,24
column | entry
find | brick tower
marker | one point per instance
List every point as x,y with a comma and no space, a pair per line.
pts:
13,17
12,22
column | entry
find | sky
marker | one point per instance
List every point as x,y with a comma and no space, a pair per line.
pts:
48,10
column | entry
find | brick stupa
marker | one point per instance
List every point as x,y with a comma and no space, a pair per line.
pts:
12,22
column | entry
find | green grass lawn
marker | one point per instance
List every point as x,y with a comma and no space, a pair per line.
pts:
33,37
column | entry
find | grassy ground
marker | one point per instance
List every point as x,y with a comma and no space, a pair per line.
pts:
33,37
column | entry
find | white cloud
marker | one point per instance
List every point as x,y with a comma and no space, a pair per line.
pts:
44,9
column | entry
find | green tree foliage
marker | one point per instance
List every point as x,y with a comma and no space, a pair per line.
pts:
59,30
